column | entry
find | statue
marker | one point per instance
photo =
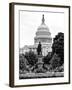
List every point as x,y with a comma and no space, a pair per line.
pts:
39,49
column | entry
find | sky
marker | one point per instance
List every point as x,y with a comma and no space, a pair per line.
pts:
30,21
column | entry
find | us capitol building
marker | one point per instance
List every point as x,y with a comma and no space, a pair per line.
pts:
43,35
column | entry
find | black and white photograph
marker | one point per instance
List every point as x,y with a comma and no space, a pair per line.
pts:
41,53
41,43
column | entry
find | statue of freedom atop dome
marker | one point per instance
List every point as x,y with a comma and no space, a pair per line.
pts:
39,49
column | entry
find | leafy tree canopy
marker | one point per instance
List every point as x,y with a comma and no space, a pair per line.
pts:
31,58
58,46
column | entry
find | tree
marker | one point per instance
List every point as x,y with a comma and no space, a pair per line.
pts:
55,61
31,58
22,62
58,46
47,58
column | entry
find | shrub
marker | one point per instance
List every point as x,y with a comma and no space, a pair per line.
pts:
47,58
55,61
31,58
22,62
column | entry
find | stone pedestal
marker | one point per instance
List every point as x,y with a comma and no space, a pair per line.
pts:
40,65
40,57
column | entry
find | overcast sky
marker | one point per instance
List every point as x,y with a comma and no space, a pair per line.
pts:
29,22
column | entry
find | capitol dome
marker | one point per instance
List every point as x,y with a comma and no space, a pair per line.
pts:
43,35
43,27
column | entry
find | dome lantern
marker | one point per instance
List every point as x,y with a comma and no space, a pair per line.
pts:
43,20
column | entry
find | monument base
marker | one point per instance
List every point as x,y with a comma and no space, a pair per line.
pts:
40,57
